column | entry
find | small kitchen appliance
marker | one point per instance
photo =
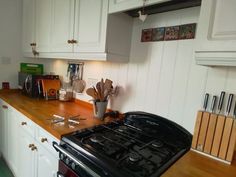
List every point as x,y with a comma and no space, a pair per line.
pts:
31,84
140,145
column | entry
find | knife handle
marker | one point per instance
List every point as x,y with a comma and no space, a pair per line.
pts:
213,103
234,113
222,96
229,104
205,101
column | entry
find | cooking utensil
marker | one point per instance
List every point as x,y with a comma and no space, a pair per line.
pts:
205,101
229,104
78,83
98,87
221,100
102,89
213,103
92,92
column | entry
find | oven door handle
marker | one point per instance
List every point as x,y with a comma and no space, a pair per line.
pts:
68,154
59,174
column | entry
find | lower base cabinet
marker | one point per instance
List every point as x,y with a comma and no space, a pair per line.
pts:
26,147
26,156
47,164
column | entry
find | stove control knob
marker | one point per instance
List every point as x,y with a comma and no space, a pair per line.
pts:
62,156
73,165
68,161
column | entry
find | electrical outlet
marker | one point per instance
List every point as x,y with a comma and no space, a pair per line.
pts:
92,82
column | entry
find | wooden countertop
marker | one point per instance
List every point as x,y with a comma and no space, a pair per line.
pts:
40,110
193,164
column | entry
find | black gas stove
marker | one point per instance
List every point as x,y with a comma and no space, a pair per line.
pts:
141,145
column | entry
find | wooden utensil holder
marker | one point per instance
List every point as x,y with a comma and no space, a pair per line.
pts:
215,136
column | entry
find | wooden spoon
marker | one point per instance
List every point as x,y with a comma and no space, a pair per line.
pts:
102,89
91,92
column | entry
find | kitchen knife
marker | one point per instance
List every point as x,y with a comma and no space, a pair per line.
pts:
229,104
213,103
205,101
222,96
234,112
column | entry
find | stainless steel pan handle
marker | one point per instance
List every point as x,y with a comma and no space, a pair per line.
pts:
68,154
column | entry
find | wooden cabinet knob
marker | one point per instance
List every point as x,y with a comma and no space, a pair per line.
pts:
44,140
23,123
31,145
34,148
69,41
32,44
74,41
4,106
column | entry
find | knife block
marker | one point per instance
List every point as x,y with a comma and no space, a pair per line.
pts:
215,136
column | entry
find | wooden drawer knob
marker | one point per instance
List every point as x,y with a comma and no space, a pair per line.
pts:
34,148
44,140
4,106
31,145
23,123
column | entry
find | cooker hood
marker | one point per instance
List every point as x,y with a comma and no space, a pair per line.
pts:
165,7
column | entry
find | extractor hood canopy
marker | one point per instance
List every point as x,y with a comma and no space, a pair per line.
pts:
164,7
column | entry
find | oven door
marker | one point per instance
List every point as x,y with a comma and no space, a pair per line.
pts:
73,166
65,171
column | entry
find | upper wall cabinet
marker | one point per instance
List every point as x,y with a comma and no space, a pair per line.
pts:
216,33
80,29
28,33
123,5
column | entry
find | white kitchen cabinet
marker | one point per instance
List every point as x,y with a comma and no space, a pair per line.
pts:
28,31
27,160
4,129
124,5
36,151
25,146
62,23
43,20
81,29
47,163
90,25
1,127
216,33
13,130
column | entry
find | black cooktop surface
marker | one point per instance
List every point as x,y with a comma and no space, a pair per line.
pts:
141,145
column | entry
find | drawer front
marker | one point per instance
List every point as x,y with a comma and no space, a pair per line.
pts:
45,139
27,125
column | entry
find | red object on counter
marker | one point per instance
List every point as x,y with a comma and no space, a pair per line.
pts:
5,85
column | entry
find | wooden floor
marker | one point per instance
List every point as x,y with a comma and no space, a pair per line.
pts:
193,164
4,170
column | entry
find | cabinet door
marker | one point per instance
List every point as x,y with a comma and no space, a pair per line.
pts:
13,140
43,25
4,114
47,164
1,127
90,25
26,155
216,34
28,31
62,25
